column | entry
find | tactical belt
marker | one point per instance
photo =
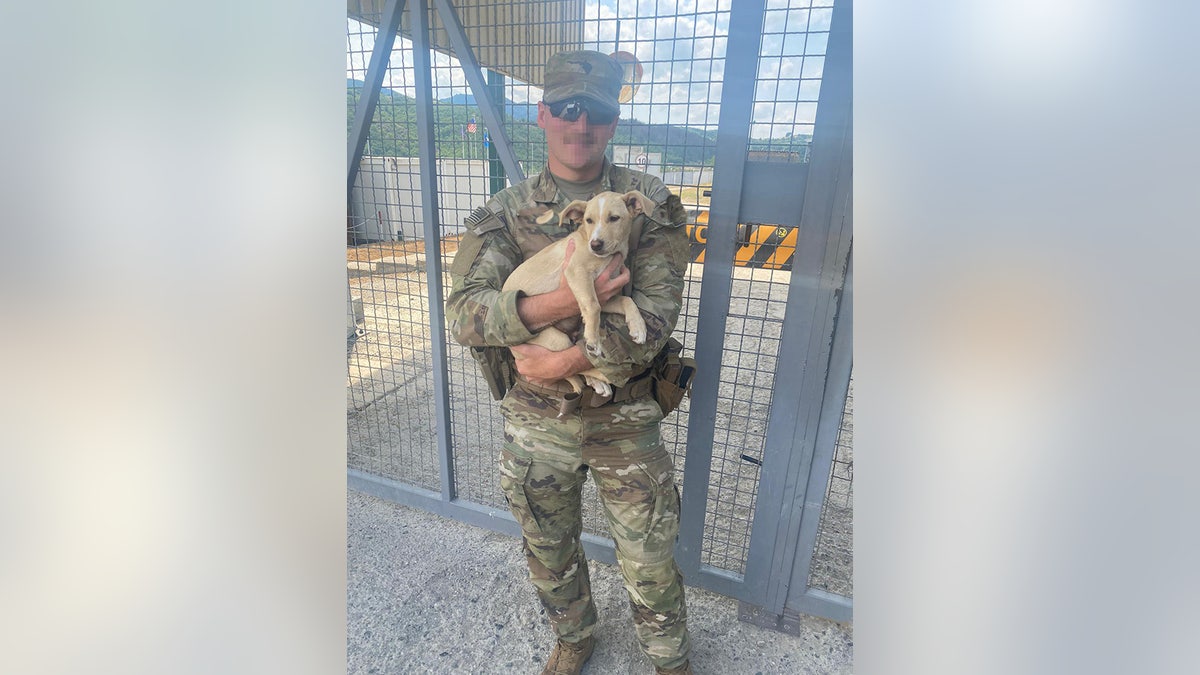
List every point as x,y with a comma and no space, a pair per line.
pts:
568,401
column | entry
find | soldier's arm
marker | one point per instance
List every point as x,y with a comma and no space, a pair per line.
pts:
540,311
479,312
658,268
538,363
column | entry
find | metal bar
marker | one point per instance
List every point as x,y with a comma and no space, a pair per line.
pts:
422,77
818,603
818,274
716,580
780,181
737,100
495,166
428,500
376,69
479,89
828,605
495,520
841,361
597,548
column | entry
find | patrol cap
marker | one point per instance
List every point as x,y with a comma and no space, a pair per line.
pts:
583,74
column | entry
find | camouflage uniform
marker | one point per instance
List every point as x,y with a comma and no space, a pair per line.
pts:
545,460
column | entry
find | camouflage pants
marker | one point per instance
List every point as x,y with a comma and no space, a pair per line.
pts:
542,469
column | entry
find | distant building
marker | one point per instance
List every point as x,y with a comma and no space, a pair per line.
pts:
800,155
636,157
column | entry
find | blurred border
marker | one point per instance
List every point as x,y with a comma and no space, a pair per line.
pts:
1025,337
1025,216
174,303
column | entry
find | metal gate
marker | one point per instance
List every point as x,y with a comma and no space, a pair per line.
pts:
744,110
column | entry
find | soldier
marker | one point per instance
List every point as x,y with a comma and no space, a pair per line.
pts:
545,459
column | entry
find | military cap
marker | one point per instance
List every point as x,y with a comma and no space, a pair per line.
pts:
583,74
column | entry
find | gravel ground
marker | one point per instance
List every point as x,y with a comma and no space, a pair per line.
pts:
427,594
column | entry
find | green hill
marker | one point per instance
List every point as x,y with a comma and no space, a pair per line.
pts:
394,133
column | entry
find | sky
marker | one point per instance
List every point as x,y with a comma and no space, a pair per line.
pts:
682,57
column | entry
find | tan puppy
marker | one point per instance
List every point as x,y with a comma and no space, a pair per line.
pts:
606,220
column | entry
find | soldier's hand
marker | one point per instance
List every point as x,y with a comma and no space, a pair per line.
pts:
538,364
562,271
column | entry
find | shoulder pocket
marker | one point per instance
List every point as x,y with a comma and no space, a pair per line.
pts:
673,207
483,220
478,224
669,212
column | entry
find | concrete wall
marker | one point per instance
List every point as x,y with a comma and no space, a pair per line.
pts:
636,157
697,176
386,203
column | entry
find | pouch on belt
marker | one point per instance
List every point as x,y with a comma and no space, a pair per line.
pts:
673,375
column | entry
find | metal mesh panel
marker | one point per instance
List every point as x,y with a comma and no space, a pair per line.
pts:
781,130
475,421
833,558
791,62
390,404
753,327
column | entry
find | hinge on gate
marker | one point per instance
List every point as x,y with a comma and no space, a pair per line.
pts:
743,234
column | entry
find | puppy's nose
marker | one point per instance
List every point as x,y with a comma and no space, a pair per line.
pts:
596,245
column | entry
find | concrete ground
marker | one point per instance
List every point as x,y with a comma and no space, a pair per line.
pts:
427,594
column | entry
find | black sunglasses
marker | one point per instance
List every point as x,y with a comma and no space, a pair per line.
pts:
570,110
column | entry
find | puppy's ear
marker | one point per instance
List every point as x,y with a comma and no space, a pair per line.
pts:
574,211
637,203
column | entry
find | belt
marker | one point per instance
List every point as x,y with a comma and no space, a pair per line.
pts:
640,386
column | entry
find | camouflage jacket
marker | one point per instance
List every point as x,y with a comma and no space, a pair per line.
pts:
521,220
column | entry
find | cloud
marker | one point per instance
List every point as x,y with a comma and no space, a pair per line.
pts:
683,57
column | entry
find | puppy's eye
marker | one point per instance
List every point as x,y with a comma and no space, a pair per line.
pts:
589,221
613,219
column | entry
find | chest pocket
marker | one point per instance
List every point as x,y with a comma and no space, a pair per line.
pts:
537,227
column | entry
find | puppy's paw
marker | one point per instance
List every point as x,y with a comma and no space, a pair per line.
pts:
600,387
593,348
638,333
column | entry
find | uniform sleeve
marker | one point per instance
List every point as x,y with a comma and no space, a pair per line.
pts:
479,313
657,269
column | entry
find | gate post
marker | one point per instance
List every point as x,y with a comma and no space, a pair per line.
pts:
737,101
793,462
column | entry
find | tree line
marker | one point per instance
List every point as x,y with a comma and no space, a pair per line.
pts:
393,133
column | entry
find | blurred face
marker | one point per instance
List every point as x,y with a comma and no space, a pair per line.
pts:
576,148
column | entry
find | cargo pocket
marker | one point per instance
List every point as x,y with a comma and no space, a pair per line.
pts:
643,509
663,528
514,472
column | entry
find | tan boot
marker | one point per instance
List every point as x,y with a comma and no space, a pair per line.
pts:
567,658
685,669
